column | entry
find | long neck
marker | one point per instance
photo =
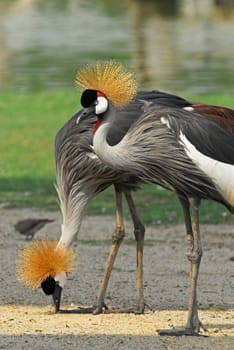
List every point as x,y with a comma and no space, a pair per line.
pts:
72,210
111,155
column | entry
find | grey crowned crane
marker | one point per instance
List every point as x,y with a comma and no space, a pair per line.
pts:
81,176
173,147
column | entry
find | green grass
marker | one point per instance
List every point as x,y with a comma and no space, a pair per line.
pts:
28,127
27,174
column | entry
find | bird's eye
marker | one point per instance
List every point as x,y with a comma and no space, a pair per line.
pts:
95,103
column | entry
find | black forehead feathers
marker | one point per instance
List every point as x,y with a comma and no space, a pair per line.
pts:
48,286
88,97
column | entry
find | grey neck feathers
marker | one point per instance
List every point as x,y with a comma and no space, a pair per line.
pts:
111,155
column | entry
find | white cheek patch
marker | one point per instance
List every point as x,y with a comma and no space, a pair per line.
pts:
102,105
220,173
61,279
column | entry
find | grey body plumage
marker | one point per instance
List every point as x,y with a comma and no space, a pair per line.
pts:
152,150
178,149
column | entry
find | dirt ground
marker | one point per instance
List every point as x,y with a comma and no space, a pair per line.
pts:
27,320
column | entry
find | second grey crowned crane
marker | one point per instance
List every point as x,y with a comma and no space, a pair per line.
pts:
176,148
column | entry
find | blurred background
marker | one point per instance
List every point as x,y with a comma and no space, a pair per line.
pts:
182,46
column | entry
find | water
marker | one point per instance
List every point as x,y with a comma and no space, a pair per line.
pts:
188,48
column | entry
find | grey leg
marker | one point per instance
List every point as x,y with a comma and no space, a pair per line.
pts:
117,238
194,254
139,232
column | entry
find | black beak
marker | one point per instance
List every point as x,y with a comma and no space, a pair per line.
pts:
57,297
86,112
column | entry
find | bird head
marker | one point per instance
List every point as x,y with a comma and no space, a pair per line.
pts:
54,286
105,83
46,264
96,100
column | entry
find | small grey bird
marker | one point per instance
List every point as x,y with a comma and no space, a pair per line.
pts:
29,227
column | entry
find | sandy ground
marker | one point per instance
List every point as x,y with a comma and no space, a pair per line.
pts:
27,320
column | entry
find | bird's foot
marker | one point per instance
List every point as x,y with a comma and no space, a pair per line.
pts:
139,311
177,332
99,308
140,308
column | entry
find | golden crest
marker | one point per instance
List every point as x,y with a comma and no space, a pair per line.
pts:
111,78
42,259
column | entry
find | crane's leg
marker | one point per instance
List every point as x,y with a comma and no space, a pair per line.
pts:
194,254
139,232
117,238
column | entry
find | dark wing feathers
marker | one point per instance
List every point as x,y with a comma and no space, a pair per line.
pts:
163,99
207,136
131,113
221,115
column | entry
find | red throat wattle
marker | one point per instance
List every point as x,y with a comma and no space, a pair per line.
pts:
98,122
96,125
